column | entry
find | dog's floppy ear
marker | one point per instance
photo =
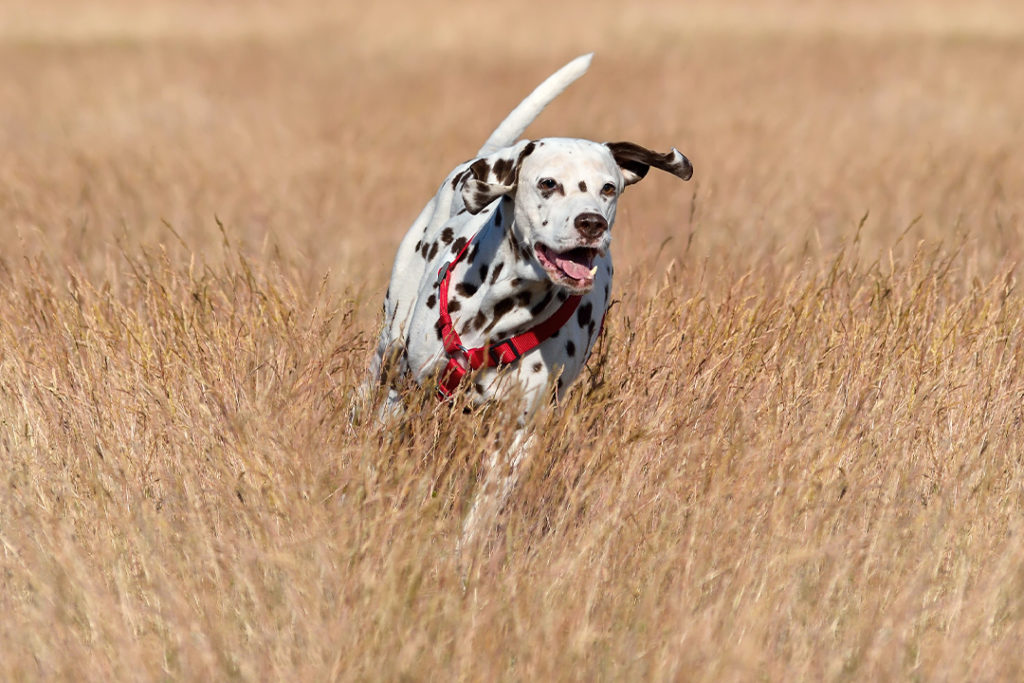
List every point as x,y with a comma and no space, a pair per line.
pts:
493,176
634,161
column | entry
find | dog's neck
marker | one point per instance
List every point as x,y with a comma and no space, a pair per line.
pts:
498,289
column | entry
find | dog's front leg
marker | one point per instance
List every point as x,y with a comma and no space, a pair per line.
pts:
501,474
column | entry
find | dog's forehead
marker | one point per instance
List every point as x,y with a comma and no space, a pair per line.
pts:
568,156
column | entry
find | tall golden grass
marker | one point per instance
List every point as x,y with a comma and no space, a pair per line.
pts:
797,453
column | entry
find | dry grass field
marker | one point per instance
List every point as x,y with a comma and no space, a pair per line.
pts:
797,455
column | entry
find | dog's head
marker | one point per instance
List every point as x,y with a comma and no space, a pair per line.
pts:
565,192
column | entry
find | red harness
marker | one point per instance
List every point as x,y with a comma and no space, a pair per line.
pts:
503,352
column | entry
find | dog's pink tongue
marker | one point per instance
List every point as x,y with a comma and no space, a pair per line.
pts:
573,269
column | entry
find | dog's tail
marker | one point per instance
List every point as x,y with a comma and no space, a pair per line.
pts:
515,123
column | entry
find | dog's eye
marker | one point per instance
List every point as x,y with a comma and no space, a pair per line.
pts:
608,190
547,183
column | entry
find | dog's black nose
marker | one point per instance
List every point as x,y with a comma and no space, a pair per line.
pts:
591,225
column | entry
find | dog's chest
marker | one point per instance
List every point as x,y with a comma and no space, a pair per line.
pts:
490,299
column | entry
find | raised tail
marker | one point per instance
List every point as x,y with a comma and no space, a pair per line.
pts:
516,122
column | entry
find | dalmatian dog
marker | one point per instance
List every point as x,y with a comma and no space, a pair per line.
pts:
500,287
532,221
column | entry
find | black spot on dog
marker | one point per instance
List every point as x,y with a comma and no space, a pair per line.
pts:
554,335
473,252
496,272
417,247
458,179
454,305
524,253
433,251
483,275
513,244
503,171
431,300
497,218
480,169
570,348
544,223
563,295
478,388
583,314
541,305
590,329
437,329
459,244
500,309
447,235
482,198
516,281
537,367
527,151
506,171
583,186
523,298
503,307
466,289
478,321
560,384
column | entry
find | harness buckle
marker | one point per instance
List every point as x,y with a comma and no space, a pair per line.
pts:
500,356
442,273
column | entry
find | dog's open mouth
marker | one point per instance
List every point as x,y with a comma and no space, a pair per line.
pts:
573,269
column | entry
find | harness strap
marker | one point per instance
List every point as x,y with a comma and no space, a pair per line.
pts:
504,352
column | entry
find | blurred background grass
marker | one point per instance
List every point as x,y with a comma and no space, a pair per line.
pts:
797,456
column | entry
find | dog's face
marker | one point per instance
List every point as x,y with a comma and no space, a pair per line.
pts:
565,194
565,207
